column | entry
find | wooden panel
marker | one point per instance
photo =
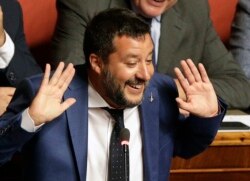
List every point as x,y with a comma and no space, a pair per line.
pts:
226,176
232,138
228,158
217,157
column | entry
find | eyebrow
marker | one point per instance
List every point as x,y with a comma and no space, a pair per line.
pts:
131,55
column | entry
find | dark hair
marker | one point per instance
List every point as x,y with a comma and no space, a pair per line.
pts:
108,24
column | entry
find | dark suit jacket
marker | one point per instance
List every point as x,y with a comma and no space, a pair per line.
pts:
58,151
186,32
22,64
240,36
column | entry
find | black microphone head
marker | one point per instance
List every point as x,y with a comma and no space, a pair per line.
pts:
124,135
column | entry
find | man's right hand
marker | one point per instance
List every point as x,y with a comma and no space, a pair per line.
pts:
6,94
48,103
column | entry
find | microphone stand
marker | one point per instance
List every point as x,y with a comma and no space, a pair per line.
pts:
124,136
126,161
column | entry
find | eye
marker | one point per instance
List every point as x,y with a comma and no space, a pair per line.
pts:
131,64
149,61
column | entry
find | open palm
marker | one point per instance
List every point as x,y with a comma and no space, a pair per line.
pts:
201,99
48,103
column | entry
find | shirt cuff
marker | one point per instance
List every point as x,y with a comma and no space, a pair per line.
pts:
6,51
27,122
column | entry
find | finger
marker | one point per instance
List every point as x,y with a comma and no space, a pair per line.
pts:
54,79
66,76
2,33
9,91
69,76
46,75
8,99
184,112
183,105
203,73
2,110
5,99
67,103
181,92
187,72
194,70
1,15
182,80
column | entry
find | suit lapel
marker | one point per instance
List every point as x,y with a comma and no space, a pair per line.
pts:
172,31
150,134
77,117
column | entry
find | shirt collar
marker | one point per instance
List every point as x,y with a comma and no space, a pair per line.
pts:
94,98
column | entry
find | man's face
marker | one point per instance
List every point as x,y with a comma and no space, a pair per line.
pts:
153,8
128,71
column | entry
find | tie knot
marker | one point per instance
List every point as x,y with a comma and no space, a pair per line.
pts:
117,114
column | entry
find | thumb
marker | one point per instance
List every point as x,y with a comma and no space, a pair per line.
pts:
182,104
68,103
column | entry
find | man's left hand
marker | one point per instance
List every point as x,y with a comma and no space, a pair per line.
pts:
201,99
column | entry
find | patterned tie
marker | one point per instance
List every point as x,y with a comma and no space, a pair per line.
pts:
116,154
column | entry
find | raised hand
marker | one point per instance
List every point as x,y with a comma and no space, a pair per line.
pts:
48,104
201,99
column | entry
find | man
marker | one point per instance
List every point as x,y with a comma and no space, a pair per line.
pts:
240,36
16,61
181,29
119,74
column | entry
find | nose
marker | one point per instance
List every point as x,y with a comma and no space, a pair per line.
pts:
145,71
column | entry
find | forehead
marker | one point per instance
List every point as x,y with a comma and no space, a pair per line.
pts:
127,43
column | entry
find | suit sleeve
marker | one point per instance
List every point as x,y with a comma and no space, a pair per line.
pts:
12,136
192,135
240,36
22,64
195,134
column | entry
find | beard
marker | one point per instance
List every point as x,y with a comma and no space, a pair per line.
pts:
115,91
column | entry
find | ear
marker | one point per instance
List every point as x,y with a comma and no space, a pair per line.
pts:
95,63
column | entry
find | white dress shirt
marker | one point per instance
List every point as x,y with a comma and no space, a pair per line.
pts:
155,34
6,51
100,125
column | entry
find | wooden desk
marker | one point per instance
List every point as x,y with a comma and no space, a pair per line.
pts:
227,159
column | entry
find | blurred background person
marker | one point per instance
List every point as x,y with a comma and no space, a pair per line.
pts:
240,36
16,61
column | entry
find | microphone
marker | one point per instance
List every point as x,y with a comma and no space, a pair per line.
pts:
124,136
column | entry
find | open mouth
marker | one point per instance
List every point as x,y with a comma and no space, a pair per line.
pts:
159,1
136,86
